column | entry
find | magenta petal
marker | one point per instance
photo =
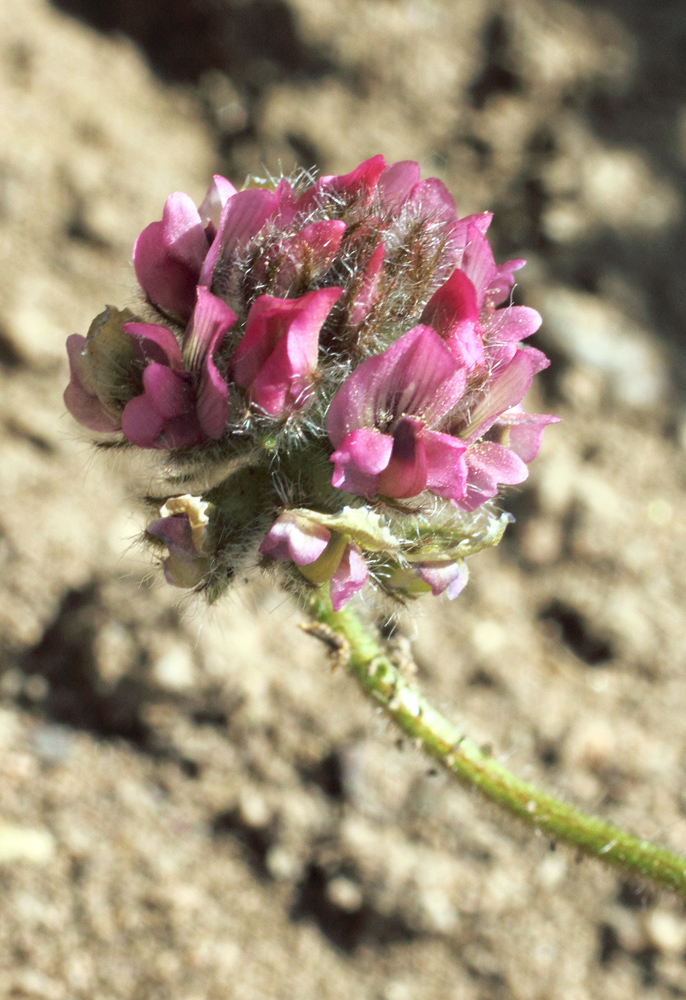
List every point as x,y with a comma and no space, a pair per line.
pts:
369,447
524,431
449,578
83,405
503,280
397,183
350,577
183,231
292,539
478,263
218,193
167,391
168,283
406,473
155,343
432,199
141,422
446,465
363,180
453,313
367,288
482,221
212,400
370,450
211,320
489,465
269,368
323,241
242,217
514,323
415,376
506,388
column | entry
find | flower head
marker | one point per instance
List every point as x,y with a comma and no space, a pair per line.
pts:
336,361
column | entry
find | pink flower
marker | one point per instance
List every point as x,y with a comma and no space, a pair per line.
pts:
168,255
185,399
319,554
380,422
183,529
449,578
276,359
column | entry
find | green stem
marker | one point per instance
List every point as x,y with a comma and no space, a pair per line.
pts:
381,679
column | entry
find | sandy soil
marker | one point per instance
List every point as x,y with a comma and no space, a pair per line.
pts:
192,805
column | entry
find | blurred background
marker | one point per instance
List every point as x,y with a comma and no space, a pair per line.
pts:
192,805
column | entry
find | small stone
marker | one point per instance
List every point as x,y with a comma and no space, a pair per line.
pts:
23,843
344,894
666,931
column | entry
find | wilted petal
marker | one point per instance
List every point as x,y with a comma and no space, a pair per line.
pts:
295,539
489,465
185,566
453,313
350,577
444,577
84,405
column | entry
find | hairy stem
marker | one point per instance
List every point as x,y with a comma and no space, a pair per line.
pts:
381,679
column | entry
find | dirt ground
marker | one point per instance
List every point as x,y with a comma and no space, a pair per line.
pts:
192,805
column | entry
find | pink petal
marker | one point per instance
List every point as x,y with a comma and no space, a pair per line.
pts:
155,343
218,193
406,473
367,288
431,198
370,450
83,405
524,432
453,313
505,389
169,393
350,577
243,216
446,465
415,376
362,455
361,183
323,241
397,183
270,321
168,283
141,422
211,321
449,578
477,262
482,221
489,465
503,280
292,539
183,231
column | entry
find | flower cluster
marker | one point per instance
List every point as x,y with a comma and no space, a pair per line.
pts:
336,364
